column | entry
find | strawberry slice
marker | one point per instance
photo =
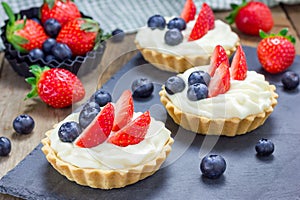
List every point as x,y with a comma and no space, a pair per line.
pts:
219,56
201,26
189,11
239,65
220,82
124,110
98,130
210,15
133,133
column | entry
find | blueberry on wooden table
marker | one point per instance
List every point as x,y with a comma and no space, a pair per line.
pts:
23,124
5,146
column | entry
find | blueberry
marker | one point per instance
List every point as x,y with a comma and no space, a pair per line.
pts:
23,124
142,88
174,84
156,21
290,80
178,23
49,58
36,20
101,97
5,146
199,77
118,35
48,45
197,92
173,37
88,113
212,166
36,53
69,131
52,27
264,147
61,51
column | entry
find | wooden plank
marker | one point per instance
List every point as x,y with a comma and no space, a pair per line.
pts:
292,12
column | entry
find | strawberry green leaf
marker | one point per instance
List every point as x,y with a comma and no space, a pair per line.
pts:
263,34
235,10
283,32
9,12
18,39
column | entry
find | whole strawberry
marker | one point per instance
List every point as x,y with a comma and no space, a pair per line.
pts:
251,16
24,34
61,10
56,87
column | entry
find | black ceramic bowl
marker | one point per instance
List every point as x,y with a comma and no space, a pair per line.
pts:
20,62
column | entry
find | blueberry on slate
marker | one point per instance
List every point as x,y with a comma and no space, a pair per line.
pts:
52,27
178,23
174,84
49,58
36,53
69,131
142,88
23,124
173,37
199,77
117,35
290,80
156,21
88,113
197,92
212,166
264,147
61,51
101,97
48,45
5,146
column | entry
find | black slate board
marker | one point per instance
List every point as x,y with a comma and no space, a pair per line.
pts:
246,177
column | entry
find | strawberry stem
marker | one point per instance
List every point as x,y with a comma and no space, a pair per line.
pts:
9,12
283,32
235,10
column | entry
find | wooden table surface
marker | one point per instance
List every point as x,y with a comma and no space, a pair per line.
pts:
13,87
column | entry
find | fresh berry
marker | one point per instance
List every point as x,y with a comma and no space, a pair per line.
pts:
80,35
239,65
69,131
250,17
98,130
178,23
48,45
213,166
24,34
220,82
49,58
5,146
61,10
189,11
133,133
52,27
210,16
197,91
88,113
35,54
61,51
264,147
173,37
201,26
36,20
23,124
118,35
156,22
290,80
199,77
56,87
276,52
174,84
219,56
101,97
142,88
123,110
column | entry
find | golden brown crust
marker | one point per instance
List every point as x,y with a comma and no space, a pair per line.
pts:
227,127
104,179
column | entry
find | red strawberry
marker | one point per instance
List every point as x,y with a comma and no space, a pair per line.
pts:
98,130
80,35
132,133
57,87
220,82
124,110
61,10
189,11
239,65
251,16
276,52
23,34
210,16
201,26
219,56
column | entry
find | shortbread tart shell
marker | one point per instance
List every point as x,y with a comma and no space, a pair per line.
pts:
100,178
226,127
176,63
